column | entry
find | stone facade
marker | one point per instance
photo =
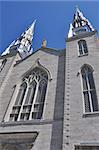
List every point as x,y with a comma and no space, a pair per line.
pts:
52,119
79,128
64,124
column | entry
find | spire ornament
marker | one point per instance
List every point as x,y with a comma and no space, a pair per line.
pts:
23,43
80,24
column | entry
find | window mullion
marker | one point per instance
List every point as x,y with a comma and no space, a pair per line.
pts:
83,93
23,102
90,99
35,96
82,48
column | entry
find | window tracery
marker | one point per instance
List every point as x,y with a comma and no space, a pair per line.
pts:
29,103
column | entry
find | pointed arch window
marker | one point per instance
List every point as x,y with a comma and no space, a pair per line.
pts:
30,100
83,49
89,91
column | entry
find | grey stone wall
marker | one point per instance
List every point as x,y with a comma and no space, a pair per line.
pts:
63,120
57,128
51,121
4,80
78,129
5,70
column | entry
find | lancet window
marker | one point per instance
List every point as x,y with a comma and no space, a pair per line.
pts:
89,91
83,49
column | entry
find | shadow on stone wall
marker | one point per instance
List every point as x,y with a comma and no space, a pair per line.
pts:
57,128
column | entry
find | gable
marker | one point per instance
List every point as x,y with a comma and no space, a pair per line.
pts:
44,50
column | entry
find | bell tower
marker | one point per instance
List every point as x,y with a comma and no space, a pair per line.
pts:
81,104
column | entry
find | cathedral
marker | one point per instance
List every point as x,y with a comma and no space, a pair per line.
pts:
49,99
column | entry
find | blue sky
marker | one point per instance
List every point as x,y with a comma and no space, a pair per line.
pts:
53,19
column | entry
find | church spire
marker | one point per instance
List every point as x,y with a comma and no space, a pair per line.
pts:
23,43
80,24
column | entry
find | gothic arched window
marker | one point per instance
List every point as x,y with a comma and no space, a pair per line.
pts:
83,49
30,100
89,91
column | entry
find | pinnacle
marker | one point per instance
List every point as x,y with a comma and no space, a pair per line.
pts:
33,24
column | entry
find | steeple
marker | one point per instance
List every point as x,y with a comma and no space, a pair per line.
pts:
80,24
23,44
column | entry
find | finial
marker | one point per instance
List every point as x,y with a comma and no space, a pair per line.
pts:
76,7
77,10
44,43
